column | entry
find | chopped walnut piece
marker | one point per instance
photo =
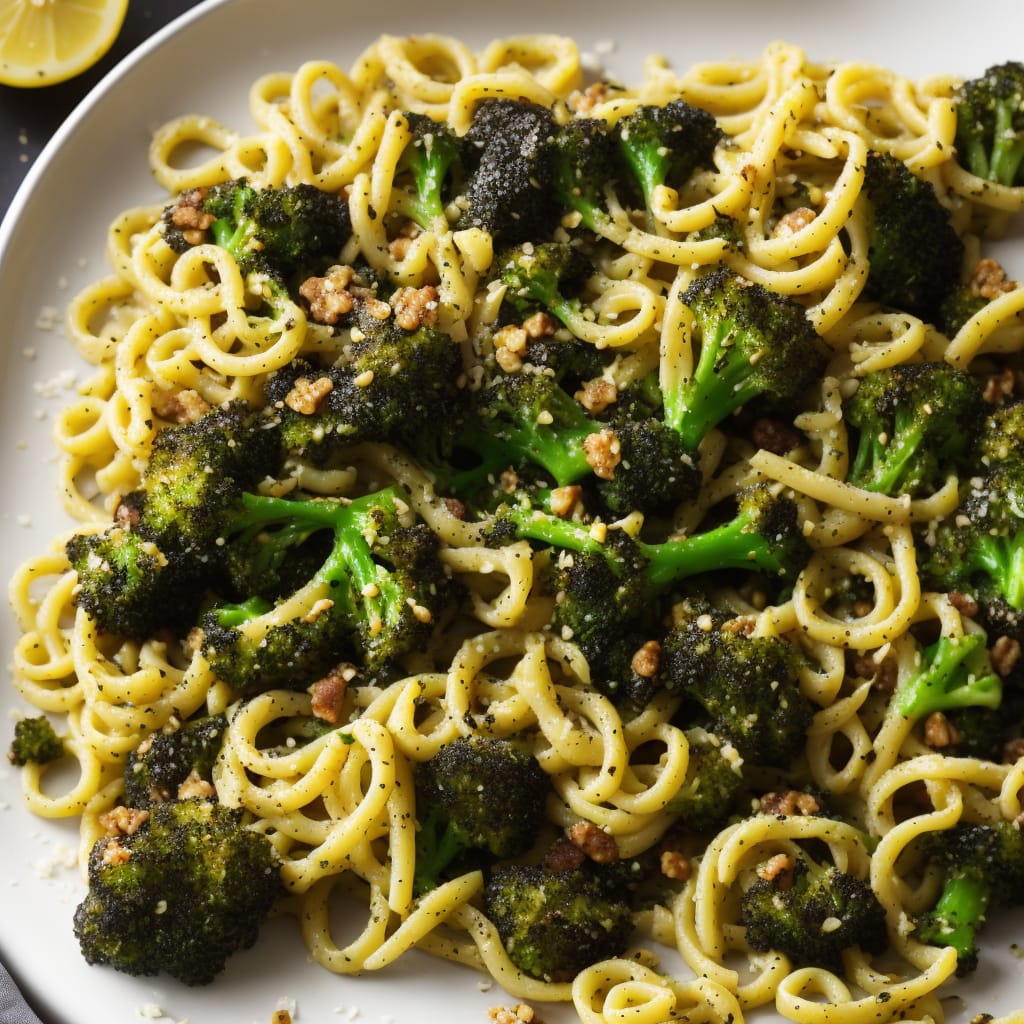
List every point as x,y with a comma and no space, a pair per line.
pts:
126,515
513,338
114,853
603,453
939,731
596,395
564,500
188,216
778,869
742,624
455,508
415,307
328,693
989,280
676,865
521,1013
123,821
646,659
794,221
963,603
1005,654
306,395
790,803
597,844
1000,386
1013,751
775,435
540,325
196,787
329,297
583,102
563,855
184,406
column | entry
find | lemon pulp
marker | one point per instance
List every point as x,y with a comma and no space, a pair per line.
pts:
47,41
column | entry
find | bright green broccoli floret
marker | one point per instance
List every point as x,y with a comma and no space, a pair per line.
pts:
149,569
395,386
664,145
508,183
983,866
914,253
604,584
585,164
433,157
990,124
744,689
545,276
170,758
812,913
554,924
915,423
373,598
478,797
980,547
35,742
713,786
953,672
281,232
754,344
188,888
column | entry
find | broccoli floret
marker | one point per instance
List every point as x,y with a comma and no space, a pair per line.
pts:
915,424
959,305
188,888
170,758
479,796
753,344
373,599
433,158
554,924
990,124
812,913
713,786
664,145
281,232
508,157
395,386
585,164
544,276
149,569
746,689
35,742
604,584
914,253
983,866
953,672
529,417
1001,438
980,548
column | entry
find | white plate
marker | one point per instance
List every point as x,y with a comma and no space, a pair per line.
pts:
52,243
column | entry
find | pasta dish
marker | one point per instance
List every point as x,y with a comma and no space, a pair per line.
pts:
541,520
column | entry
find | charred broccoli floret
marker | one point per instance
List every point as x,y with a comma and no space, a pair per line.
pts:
554,924
477,797
149,569
713,786
433,159
983,866
188,888
546,276
754,344
35,742
507,189
915,425
395,386
914,253
585,164
154,772
812,913
990,124
373,598
745,689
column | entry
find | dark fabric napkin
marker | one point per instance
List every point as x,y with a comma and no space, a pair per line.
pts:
13,1009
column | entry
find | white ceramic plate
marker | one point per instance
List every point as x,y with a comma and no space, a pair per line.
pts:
52,243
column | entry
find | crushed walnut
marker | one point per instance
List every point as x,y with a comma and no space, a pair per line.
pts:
329,296
1005,654
306,395
778,869
646,659
189,218
521,1013
794,221
196,787
603,453
114,853
790,803
939,731
183,406
123,821
415,307
565,500
562,855
676,865
597,844
989,280
596,395
328,693
1000,386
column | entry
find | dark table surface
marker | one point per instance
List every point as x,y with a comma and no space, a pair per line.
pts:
29,117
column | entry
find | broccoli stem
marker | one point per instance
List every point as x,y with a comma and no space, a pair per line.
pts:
1007,148
957,915
955,673
879,465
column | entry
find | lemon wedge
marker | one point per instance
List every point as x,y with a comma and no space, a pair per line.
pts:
47,41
